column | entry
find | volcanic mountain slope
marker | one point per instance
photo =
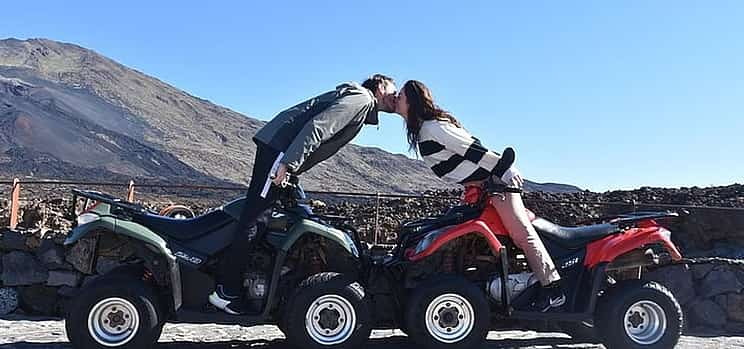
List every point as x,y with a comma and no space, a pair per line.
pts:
68,112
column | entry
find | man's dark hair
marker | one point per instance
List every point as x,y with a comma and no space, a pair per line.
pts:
375,81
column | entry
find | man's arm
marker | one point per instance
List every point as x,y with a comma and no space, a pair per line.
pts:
323,126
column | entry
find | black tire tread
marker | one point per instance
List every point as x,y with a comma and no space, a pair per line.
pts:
616,297
126,286
318,279
292,321
417,306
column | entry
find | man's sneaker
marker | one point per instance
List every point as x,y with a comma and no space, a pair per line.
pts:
550,298
232,305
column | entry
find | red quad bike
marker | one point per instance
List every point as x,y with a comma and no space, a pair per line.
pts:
459,275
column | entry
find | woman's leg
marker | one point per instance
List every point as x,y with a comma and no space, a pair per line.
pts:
514,216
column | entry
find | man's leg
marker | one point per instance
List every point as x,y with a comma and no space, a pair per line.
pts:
259,197
514,216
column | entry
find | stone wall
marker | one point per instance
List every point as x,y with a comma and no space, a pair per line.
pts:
710,295
36,272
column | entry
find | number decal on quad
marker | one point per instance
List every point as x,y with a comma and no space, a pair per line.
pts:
185,256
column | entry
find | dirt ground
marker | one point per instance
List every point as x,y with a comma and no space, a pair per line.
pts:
50,334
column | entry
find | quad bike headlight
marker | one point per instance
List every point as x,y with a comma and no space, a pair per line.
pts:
428,239
86,218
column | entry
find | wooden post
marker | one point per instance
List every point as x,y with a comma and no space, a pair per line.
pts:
377,219
130,192
14,204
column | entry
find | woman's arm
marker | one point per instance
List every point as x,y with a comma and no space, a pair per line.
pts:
437,136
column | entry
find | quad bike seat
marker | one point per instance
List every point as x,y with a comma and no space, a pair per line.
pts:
576,237
185,229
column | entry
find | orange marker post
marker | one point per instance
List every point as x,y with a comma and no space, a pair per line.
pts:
14,204
130,192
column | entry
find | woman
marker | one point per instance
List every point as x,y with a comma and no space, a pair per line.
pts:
456,156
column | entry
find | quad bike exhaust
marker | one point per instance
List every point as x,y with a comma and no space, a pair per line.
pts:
653,256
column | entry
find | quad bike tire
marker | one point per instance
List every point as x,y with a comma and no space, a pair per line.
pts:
177,212
449,312
639,314
328,310
117,311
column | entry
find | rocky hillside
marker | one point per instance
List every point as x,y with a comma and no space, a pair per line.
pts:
68,112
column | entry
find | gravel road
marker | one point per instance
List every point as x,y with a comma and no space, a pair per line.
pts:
50,334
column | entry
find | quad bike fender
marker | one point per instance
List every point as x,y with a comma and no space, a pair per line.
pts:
475,226
137,232
307,226
85,230
121,227
613,246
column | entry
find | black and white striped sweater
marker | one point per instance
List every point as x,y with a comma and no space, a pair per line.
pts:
456,156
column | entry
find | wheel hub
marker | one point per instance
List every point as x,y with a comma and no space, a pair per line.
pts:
645,322
330,320
113,322
636,319
450,318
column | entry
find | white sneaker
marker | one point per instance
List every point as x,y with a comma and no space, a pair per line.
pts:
228,304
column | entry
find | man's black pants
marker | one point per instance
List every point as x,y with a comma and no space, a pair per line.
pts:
261,194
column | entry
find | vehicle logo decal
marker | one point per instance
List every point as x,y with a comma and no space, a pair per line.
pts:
570,263
185,256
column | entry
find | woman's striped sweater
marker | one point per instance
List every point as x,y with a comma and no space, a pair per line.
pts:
456,156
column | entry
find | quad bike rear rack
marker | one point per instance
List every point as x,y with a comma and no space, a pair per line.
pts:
101,197
630,219
626,220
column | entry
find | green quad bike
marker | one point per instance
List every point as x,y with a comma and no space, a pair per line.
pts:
302,274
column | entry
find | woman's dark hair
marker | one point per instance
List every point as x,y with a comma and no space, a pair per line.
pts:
421,108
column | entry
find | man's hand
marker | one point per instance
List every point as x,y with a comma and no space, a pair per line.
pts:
280,175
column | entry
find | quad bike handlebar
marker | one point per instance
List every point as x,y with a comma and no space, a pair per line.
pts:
290,191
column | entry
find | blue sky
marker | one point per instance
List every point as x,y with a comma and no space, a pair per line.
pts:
604,95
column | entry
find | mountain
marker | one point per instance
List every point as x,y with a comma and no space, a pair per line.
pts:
69,112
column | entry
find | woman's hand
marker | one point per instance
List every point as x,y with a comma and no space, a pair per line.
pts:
512,177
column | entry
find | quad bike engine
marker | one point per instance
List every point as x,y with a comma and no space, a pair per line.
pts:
515,285
255,285
255,279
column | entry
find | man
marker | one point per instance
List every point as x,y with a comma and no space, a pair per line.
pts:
293,142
